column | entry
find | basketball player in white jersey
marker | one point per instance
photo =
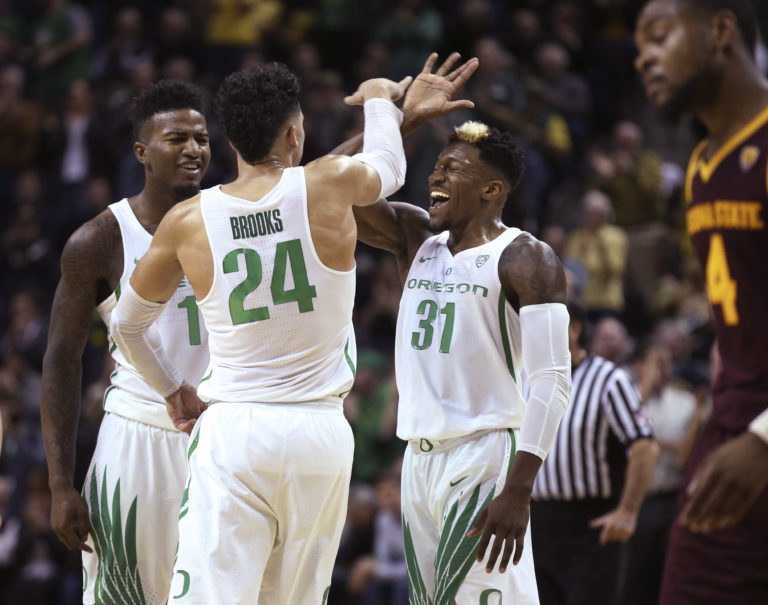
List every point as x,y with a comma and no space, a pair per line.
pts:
125,521
481,311
270,257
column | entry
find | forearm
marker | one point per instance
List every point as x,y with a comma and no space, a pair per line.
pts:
525,466
383,144
129,325
60,412
547,362
642,461
353,145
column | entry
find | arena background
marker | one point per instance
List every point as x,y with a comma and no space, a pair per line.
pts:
558,74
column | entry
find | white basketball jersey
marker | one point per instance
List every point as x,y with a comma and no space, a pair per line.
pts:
179,329
280,322
458,351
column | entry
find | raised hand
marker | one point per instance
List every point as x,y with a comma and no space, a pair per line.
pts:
184,408
430,94
378,88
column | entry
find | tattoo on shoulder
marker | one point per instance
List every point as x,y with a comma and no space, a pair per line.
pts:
531,273
95,251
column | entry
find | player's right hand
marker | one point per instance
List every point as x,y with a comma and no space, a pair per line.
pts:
69,518
379,88
184,407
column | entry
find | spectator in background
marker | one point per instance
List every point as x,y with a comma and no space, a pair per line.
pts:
677,416
383,578
610,340
178,38
568,93
371,409
589,490
411,31
601,248
356,543
631,175
233,27
61,39
20,126
526,32
126,48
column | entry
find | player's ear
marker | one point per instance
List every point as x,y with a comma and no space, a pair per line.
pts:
292,137
724,29
140,151
493,189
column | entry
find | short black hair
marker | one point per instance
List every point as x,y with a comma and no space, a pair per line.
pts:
497,148
744,11
166,95
252,104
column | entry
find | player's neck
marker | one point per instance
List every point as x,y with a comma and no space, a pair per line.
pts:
477,231
152,203
742,95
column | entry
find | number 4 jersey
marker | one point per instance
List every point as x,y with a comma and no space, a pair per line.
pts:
458,350
279,321
178,329
726,196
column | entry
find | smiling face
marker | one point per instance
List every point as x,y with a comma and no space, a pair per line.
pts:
458,186
174,149
676,55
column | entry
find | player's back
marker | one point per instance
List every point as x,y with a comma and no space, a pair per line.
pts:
280,322
726,218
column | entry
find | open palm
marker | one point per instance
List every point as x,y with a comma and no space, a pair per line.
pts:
430,94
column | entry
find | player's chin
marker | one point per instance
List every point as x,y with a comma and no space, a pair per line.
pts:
183,191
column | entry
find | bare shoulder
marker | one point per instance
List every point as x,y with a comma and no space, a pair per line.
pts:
94,251
531,273
183,219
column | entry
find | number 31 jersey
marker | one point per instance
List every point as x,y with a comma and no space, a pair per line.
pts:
178,330
279,321
726,219
458,348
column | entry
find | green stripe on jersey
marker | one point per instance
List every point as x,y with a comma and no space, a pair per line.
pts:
505,334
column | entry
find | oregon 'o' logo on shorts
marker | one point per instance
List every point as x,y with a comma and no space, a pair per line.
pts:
185,587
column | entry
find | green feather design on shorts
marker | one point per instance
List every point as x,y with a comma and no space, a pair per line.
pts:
455,553
417,591
117,581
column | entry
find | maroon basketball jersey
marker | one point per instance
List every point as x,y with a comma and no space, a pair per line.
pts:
726,218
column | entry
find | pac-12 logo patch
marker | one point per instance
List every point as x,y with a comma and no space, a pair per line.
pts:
748,157
480,260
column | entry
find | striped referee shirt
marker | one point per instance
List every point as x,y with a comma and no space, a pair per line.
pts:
589,456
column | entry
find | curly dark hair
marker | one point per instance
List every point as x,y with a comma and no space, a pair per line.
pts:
497,149
166,95
252,104
744,11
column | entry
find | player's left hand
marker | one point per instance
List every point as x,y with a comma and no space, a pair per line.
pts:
727,484
430,94
506,519
617,525
184,407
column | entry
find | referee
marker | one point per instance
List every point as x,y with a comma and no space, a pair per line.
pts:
589,490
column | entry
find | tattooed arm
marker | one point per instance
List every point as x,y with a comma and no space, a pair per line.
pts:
91,265
532,279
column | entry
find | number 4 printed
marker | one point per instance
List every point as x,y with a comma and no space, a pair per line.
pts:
721,286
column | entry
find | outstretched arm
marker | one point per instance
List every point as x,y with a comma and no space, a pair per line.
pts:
533,282
428,97
402,228
91,263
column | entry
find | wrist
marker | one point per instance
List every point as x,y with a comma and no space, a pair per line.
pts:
759,427
59,483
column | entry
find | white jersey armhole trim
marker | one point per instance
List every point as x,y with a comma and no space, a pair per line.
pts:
214,279
112,298
308,228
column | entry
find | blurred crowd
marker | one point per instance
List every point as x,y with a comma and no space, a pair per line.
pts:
603,188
